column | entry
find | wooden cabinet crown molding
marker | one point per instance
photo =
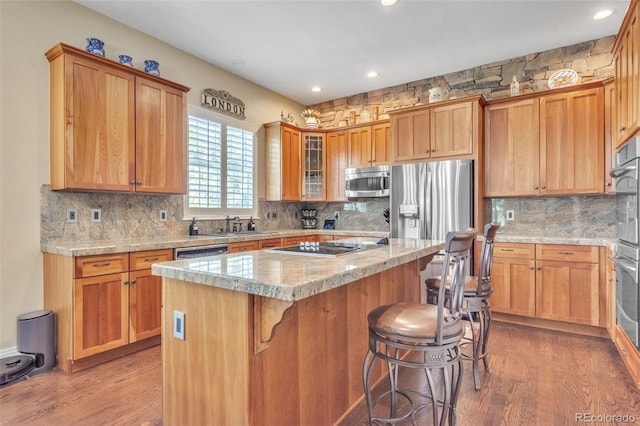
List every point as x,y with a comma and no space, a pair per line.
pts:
558,91
479,98
62,48
325,130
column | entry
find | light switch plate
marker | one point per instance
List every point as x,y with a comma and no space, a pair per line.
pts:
511,215
96,215
163,215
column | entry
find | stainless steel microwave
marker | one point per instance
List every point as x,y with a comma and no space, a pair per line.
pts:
368,181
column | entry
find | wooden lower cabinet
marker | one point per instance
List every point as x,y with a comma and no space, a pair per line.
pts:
106,305
629,354
547,281
243,246
514,286
270,243
100,309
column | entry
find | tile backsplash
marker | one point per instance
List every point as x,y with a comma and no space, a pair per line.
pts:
579,216
126,215
138,215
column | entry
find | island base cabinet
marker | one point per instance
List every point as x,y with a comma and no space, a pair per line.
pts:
308,369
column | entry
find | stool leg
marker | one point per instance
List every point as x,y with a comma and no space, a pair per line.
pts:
485,340
367,367
457,374
434,397
475,346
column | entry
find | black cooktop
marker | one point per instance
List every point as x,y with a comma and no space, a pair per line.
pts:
325,248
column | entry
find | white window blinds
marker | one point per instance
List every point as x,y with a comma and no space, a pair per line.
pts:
221,166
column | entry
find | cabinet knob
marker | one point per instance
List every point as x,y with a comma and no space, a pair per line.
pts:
544,187
622,128
607,184
531,268
126,283
139,182
536,187
132,182
539,268
133,282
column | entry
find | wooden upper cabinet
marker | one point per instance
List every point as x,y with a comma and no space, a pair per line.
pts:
161,150
572,142
337,154
610,134
283,152
451,130
108,132
314,166
370,145
627,74
444,129
360,147
511,148
92,125
380,144
410,135
550,144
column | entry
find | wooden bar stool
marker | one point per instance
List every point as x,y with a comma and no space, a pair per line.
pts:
421,336
476,306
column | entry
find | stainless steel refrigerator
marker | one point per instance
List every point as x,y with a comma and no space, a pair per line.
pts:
430,199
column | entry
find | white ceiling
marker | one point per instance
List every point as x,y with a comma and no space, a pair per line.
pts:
291,46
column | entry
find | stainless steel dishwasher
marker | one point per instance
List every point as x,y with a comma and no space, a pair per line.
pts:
200,251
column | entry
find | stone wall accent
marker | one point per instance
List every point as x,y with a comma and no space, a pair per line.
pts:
592,60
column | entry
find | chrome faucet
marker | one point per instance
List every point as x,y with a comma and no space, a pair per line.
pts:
229,219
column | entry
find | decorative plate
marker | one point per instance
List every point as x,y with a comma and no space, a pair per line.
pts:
563,78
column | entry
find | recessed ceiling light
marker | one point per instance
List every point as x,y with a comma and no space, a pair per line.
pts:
316,89
373,74
603,14
388,2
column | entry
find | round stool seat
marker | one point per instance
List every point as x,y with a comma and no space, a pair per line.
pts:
411,320
470,285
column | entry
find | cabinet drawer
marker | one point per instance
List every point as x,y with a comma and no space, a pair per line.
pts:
270,243
514,250
244,246
294,241
91,266
567,253
144,259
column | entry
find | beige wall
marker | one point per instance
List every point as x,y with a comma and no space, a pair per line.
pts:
27,30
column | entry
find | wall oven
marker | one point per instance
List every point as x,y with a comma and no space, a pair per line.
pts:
627,258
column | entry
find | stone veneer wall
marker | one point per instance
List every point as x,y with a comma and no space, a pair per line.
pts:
592,60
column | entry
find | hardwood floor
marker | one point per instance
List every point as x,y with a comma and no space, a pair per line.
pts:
537,377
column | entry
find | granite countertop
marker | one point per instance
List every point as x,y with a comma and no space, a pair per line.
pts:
88,248
609,243
293,277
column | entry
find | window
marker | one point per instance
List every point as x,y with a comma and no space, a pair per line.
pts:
221,169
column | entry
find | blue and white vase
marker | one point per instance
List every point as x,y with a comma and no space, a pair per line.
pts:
95,46
151,67
126,60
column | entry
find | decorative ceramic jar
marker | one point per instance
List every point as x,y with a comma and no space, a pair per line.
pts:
95,46
437,94
515,87
151,67
126,60
311,122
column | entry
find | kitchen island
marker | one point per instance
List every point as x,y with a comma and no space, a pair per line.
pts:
275,338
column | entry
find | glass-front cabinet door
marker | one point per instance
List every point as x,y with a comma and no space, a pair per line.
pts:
314,167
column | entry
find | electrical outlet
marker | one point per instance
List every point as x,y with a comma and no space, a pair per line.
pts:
511,215
274,215
178,325
72,215
336,214
163,215
96,215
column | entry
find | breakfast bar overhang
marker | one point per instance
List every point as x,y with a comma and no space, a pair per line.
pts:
272,338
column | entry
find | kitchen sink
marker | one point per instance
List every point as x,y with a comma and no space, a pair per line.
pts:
231,234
